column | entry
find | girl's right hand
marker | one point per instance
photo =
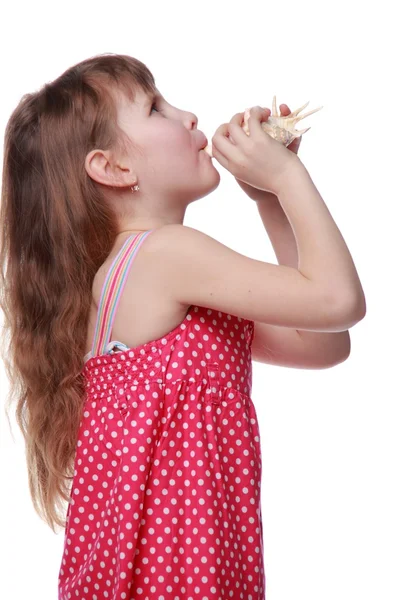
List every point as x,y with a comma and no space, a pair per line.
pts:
257,159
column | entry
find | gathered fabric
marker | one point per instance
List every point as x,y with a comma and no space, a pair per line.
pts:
166,495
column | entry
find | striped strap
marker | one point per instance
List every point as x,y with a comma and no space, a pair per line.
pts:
113,287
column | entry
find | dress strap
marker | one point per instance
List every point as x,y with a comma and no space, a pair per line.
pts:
113,287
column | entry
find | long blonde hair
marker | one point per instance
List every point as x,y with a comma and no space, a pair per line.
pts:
57,228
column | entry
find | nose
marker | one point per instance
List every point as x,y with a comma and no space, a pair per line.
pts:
192,120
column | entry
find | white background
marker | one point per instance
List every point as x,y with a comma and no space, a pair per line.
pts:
330,438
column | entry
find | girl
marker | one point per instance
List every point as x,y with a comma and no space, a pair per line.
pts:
130,334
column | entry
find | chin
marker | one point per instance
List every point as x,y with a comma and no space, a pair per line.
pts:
215,177
208,189
212,182
208,184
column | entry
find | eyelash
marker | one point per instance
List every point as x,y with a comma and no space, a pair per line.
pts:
154,105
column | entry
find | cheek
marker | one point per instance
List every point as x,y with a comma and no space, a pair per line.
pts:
171,147
182,147
177,141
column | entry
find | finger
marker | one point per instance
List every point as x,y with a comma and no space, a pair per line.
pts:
225,154
238,118
285,110
236,125
221,132
218,156
236,133
294,146
257,114
224,149
233,131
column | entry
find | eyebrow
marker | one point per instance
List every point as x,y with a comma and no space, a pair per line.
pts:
151,98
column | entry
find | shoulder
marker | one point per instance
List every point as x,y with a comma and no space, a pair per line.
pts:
162,237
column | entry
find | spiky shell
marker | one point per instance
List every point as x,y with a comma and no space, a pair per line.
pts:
282,129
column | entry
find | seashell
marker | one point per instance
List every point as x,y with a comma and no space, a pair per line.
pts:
282,129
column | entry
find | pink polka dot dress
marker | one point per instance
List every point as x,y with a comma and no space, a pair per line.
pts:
165,499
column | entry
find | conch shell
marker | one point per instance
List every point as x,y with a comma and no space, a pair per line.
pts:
282,129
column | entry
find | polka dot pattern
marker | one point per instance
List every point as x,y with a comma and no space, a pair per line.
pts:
165,499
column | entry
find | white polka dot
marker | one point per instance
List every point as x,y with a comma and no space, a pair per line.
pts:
167,475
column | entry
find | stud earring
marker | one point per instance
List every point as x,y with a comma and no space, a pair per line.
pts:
135,188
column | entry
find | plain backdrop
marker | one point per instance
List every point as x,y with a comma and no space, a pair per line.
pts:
330,438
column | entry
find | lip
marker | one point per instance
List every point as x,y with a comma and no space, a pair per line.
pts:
203,141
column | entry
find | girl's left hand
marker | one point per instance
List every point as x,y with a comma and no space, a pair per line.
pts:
253,193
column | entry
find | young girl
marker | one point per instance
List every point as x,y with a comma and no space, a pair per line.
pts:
131,335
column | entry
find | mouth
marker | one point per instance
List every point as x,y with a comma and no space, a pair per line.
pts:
203,143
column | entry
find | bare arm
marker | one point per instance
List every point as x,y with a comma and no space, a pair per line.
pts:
323,256
278,345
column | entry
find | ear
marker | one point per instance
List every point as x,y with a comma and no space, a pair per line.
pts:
102,167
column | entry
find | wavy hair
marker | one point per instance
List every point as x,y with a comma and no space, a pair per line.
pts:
57,228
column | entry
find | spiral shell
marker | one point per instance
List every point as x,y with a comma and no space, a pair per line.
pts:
282,129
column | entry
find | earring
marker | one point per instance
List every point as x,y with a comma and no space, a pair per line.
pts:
135,188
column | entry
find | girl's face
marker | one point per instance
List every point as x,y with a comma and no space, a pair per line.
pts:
171,165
